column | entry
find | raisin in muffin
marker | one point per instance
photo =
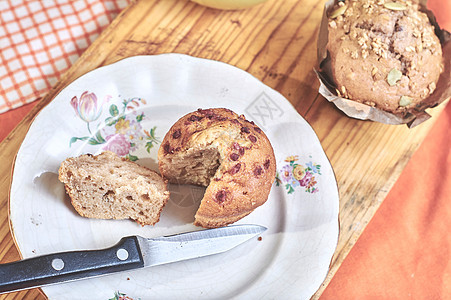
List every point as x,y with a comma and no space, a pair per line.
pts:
384,53
109,187
229,155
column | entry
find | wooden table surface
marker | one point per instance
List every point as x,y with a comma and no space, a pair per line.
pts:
276,43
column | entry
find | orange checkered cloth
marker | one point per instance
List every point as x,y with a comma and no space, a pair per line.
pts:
39,41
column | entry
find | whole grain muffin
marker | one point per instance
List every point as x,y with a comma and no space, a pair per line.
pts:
384,53
229,155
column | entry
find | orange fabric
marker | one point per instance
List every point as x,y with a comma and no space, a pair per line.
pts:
10,119
442,12
405,251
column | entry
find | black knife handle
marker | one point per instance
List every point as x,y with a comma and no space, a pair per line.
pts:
64,266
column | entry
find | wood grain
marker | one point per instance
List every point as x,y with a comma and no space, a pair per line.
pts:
276,43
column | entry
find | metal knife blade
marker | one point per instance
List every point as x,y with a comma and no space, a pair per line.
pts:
130,253
167,249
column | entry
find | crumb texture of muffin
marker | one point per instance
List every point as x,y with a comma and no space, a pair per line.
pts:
107,186
384,53
228,154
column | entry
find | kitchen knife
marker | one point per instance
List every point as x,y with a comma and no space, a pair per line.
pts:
130,253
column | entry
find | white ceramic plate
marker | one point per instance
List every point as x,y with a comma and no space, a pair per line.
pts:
127,107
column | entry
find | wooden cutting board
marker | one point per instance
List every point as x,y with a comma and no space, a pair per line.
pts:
276,43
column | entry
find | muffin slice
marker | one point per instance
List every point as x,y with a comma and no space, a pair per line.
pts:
109,187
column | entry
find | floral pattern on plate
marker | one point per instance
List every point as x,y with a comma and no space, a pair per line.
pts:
294,175
121,132
121,296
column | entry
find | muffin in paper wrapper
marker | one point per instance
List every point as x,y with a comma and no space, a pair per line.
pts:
358,110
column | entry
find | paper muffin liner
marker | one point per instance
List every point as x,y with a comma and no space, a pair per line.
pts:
354,109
